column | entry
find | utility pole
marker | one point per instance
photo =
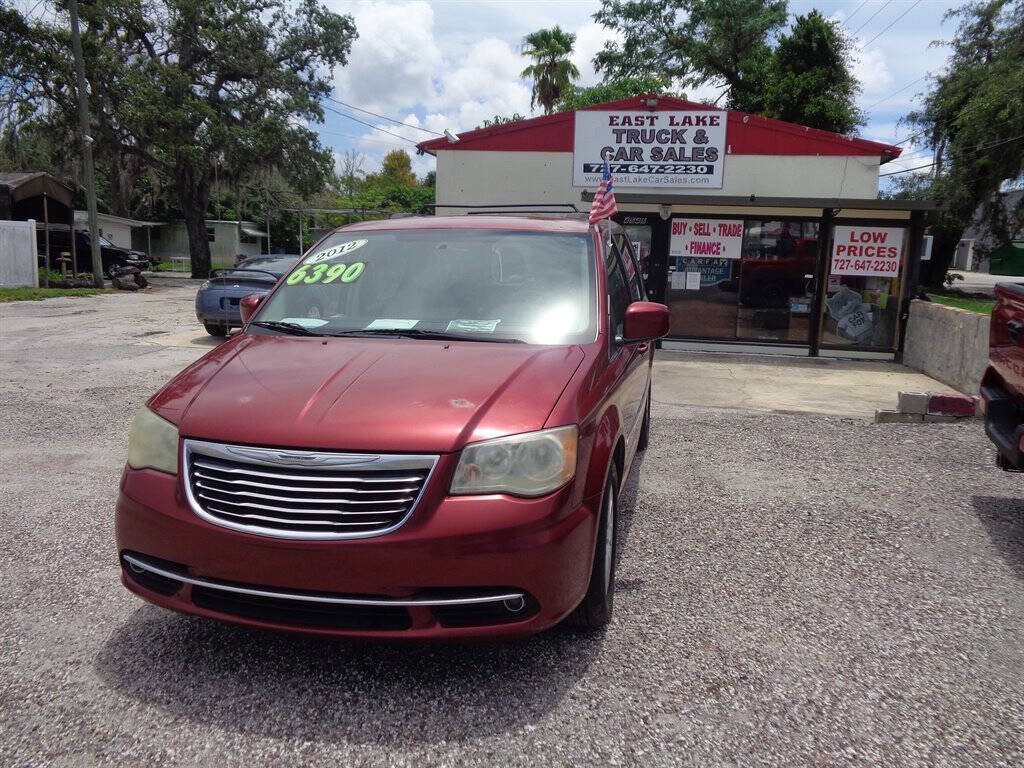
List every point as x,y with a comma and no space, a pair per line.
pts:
87,169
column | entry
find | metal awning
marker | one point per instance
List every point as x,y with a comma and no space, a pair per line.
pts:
752,201
251,232
21,186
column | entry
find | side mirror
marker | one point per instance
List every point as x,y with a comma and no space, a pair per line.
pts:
248,305
645,321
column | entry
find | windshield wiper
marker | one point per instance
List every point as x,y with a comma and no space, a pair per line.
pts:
284,327
417,333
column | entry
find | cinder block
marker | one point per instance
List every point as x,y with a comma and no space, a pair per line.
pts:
951,404
895,417
913,402
940,418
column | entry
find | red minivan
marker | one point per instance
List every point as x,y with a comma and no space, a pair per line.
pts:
420,432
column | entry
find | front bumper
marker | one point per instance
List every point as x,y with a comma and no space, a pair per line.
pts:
455,570
1004,420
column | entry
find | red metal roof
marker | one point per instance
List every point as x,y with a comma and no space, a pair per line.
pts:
746,134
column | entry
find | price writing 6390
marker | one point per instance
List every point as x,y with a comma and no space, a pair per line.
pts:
324,273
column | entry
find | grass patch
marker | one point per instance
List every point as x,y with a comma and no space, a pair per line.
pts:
184,267
37,294
981,306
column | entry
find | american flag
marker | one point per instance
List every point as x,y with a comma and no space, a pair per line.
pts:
604,199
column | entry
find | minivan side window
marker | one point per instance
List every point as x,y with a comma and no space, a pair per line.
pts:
629,261
618,292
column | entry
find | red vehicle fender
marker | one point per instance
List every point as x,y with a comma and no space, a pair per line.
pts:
602,451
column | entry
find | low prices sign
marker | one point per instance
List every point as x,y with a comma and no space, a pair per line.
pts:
867,251
706,238
650,149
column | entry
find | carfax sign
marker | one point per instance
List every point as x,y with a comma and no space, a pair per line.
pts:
650,149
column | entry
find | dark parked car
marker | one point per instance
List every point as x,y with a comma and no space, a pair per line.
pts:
217,299
421,432
114,257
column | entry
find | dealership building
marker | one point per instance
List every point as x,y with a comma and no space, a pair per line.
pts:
753,231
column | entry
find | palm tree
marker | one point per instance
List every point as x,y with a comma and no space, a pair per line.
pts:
552,71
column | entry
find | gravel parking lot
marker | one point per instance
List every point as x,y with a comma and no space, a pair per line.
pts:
793,589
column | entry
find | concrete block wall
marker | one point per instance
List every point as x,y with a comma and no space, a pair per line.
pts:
948,344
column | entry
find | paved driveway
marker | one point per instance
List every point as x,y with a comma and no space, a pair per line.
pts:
793,589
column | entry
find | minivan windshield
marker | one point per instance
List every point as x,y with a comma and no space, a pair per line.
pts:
474,284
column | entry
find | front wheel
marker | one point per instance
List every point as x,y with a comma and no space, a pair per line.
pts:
595,611
216,330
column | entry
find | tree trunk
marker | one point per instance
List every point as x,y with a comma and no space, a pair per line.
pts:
194,195
947,235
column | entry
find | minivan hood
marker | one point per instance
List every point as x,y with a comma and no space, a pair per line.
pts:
355,394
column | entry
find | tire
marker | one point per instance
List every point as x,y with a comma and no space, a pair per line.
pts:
113,269
595,610
216,330
645,428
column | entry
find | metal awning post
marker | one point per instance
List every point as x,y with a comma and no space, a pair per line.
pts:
74,250
46,237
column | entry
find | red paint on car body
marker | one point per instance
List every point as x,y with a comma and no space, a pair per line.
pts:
402,396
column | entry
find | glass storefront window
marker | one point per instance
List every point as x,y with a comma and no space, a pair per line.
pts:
765,295
777,280
863,310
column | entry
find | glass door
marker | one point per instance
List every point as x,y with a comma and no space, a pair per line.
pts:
777,280
865,287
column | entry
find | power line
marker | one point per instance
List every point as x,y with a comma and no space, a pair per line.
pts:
869,42
384,117
899,90
854,13
871,17
974,151
906,170
368,125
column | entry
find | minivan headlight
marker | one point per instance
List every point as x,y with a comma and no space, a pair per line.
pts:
530,464
153,443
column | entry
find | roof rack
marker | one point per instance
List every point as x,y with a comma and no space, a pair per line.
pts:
514,207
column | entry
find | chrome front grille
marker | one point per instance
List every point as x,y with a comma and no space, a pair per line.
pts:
303,494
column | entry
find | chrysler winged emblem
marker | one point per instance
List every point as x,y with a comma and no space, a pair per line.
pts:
303,458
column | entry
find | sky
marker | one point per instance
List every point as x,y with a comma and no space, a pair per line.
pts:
449,64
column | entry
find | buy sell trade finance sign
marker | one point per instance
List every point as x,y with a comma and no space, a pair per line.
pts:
650,149
706,238
867,251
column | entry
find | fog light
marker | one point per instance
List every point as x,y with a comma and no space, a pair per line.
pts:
515,604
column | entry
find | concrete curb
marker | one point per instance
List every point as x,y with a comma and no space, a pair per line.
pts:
930,407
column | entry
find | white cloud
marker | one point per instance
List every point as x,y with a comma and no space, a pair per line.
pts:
590,38
484,82
454,64
395,58
870,68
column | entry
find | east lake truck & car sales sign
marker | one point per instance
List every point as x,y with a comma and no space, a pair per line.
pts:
650,149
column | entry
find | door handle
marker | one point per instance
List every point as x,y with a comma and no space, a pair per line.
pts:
1014,327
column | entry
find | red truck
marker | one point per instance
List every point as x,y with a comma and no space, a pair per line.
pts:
420,432
1002,387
